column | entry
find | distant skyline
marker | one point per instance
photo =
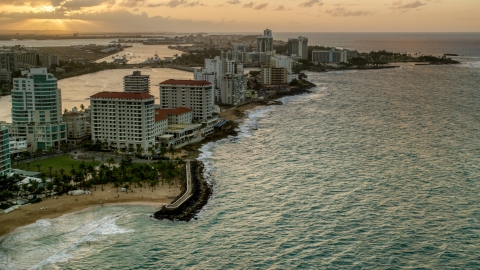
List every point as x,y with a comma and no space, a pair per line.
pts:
241,15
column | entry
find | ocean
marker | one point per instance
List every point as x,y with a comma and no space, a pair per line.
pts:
372,170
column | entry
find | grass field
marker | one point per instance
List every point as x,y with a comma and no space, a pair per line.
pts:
57,163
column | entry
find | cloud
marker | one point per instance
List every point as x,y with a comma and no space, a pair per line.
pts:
79,4
343,12
254,6
131,3
176,3
109,20
279,8
411,5
261,6
234,2
311,3
249,5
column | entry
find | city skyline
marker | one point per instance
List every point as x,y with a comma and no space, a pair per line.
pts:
241,15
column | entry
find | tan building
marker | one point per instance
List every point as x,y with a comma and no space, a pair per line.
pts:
273,75
78,124
195,95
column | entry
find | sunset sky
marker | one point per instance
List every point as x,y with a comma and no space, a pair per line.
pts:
242,15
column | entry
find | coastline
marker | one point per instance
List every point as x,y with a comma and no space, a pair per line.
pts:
161,196
51,208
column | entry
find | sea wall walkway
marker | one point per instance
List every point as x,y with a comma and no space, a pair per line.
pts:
188,193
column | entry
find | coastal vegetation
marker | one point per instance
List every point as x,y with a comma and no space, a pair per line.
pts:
61,174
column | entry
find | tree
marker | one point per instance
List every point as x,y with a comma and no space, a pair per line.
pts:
82,107
50,169
110,161
171,149
38,166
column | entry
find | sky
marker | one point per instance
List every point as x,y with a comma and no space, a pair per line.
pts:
241,15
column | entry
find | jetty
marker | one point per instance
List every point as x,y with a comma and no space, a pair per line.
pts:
193,199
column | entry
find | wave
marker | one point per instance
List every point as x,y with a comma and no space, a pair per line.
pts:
53,241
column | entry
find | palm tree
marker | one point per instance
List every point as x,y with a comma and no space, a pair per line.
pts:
110,161
82,107
38,166
50,168
28,165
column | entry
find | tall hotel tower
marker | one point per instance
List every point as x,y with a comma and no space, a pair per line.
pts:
37,110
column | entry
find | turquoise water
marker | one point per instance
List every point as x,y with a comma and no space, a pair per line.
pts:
374,170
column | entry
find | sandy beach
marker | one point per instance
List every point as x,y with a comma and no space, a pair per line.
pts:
30,213
53,208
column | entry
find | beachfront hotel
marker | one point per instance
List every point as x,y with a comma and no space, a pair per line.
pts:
196,95
123,120
37,110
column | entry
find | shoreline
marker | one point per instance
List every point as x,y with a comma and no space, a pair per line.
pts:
52,208
162,195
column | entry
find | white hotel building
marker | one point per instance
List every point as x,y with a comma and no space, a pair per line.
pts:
196,95
123,120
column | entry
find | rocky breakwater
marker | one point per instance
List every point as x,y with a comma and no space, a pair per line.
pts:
200,192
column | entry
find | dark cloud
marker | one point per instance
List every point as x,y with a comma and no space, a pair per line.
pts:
255,6
279,8
234,2
131,3
176,3
311,3
79,4
114,20
411,5
343,12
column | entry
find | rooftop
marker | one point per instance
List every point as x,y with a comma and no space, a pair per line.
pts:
185,82
122,95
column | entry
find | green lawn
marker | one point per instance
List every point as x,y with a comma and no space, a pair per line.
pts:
58,162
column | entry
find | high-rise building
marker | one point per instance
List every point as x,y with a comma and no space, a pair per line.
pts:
136,82
5,165
233,89
273,75
330,56
265,42
122,120
48,60
9,61
298,46
37,110
195,95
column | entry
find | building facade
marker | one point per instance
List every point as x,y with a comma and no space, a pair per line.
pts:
5,165
48,60
233,89
330,56
192,94
78,124
273,75
8,61
265,42
298,46
122,120
136,82
36,110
